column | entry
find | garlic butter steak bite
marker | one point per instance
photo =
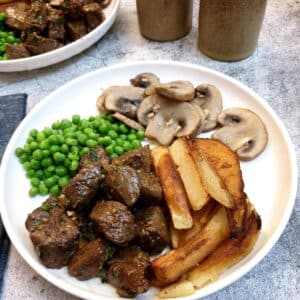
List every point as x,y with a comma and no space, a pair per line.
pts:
243,131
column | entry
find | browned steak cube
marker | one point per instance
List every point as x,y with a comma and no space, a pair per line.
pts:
56,24
94,15
122,184
76,29
88,261
54,235
16,51
114,220
36,18
82,188
97,154
128,271
152,228
16,16
37,44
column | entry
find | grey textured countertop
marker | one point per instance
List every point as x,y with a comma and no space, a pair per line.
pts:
273,72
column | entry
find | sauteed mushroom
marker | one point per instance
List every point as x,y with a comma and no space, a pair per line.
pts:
144,80
243,131
176,90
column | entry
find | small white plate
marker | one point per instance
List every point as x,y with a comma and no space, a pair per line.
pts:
65,52
270,179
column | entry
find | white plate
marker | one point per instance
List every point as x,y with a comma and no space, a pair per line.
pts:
270,179
65,52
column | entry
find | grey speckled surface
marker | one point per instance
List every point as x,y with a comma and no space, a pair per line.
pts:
273,72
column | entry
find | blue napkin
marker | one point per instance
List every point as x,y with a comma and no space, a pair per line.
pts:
12,111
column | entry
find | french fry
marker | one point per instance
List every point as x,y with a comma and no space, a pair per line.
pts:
220,171
178,289
174,236
189,174
228,253
170,266
173,189
200,218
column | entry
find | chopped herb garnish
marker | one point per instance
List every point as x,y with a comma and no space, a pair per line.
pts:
45,207
147,215
116,274
54,203
109,252
36,223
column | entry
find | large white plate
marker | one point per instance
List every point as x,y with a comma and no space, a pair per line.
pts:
270,180
65,52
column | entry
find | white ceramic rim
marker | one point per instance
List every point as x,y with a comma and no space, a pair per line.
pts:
226,281
65,52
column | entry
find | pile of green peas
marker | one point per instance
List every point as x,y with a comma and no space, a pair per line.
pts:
51,156
6,37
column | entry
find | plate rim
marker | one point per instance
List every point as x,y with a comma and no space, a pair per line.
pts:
59,55
71,289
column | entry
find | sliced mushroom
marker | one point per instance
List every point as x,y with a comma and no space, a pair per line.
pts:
129,122
147,109
177,90
100,104
243,131
203,114
173,119
122,99
210,100
145,80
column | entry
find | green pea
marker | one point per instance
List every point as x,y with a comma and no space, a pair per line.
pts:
75,149
84,150
27,149
34,146
113,156
60,139
91,119
47,162
50,181
60,171
45,145
19,151
82,138
47,131
109,118
93,135
39,174
55,190
35,181
123,136
73,156
67,163
40,136
33,191
47,173
33,133
118,150
37,154
96,123
69,134
119,142
46,153
76,119
85,124
109,149
35,164
54,148
52,139
51,169
43,190
30,173
59,157
63,181
104,128
123,129
24,157
27,165
88,130
65,123
91,143
127,146
64,148
74,165
3,17
113,134
140,134
115,127
131,137
136,144
29,140
56,125
71,142
133,131
10,39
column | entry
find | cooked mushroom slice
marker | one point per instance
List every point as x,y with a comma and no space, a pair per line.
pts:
129,122
210,100
174,119
147,109
100,104
144,80
177,90
122,99
243,131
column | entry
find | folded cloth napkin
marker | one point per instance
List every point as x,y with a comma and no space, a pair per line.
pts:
12,111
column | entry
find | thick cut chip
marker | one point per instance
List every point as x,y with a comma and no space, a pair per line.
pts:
177,289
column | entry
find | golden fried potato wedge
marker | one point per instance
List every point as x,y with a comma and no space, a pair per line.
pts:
178,289
200,218
221,174
228,253
173,189
189,174
157,153
174,236
170,266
